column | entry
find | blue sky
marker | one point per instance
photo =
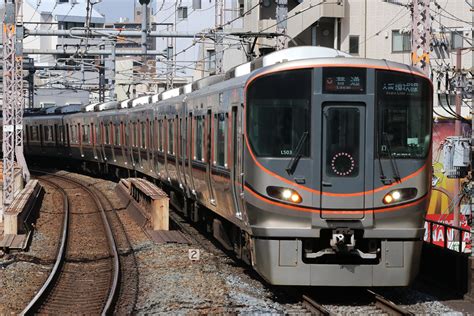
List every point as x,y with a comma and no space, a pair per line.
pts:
114,9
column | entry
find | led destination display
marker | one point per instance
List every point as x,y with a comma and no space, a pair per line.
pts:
344,80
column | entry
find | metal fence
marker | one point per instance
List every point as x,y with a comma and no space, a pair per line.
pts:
457,234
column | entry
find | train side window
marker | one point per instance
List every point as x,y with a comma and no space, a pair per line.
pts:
126,134
121,133
135,135
111,133
86,134
148,134
92,139
34,132
161,135
78,133
28,133
181,148
106,134
61,133
170,137
71,133
199,138
143,142
155,134
102,141
45,133
220,139
117,135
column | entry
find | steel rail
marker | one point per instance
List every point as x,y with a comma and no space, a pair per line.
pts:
388,306
32,306
109,303
314,307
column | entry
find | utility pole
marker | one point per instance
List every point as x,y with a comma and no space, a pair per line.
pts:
145,30
219,40
472,137
102,77
169,61
20,97
114,72
281,17
13,100
457,131
421,35
9,100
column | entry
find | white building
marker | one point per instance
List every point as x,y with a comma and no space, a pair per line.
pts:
378,29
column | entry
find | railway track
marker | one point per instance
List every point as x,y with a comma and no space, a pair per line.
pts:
85,276
387,306
376,305
314,307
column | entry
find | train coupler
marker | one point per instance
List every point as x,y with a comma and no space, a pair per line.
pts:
342,242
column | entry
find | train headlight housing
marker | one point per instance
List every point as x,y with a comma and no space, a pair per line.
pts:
399,195
285,194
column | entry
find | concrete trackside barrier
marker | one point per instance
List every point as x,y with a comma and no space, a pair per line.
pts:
146,203
19,215
19,211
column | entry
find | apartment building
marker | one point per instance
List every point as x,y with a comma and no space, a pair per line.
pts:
60,15
378,29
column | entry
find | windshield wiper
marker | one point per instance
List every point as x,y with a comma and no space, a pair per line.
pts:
393,162
297,155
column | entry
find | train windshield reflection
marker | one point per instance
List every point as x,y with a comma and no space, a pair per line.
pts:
404,115
279,113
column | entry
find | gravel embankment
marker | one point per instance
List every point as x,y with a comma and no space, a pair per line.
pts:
160,278
23,273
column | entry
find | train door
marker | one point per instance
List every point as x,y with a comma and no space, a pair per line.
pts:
41,137
155,146
56,135
343,157
209,155
28,135
190,145
148,149
177,148
68,139
102,139
236,167
182,151
93,140
79,137
166,146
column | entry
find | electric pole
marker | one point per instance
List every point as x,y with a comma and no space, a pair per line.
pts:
13,100
421,35
9,103
169,61
145,30
20,97
281,17
219,40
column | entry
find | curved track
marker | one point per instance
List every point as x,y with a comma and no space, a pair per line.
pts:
85,277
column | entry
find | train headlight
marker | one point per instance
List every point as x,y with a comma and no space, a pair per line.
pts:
399,195
284,194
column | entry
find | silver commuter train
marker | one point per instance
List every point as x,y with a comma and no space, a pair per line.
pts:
309,164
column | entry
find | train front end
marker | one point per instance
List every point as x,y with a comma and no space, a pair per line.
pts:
337,171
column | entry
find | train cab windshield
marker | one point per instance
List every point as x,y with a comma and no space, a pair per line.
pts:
278,113
404,115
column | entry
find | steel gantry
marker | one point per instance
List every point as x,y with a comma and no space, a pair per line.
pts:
20,97
421,35
13,100
9,103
